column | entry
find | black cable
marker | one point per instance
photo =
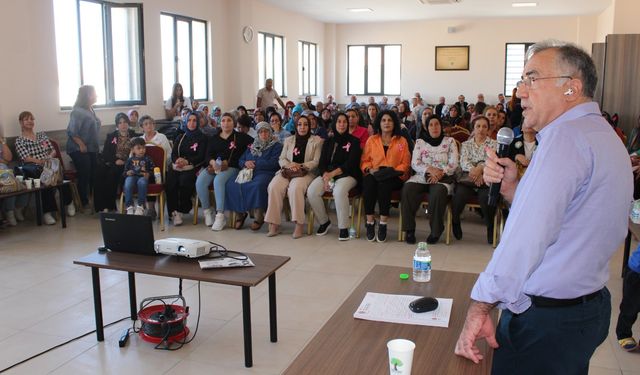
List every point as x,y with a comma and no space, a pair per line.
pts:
184,340
60,345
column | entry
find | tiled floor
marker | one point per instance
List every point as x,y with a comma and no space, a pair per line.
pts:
46,300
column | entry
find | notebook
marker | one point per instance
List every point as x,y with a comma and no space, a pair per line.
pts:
127,233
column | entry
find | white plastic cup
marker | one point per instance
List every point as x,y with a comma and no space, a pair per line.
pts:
20,178
36,183
400,356
29,184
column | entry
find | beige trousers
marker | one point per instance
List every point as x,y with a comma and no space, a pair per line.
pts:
295,190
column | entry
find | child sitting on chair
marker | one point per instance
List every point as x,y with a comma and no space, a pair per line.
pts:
137,171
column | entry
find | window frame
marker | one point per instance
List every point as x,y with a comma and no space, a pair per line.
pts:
366,69
189,20
263,64
108,52
301,44
507,93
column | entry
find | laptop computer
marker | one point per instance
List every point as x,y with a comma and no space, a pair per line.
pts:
127,233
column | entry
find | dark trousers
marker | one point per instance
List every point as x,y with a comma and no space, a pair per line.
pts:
108,179
49,199
630,305
411,198
463,195
179,189
378,192
85,164
552,340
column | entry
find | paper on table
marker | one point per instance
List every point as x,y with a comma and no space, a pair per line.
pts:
394,308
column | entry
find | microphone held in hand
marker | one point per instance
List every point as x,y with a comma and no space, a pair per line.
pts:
505,137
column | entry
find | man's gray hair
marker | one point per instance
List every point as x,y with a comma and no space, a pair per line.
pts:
571,57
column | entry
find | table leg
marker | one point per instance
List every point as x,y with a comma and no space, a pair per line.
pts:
627,249
246,322
63,209
132,295
38,208
273,320
97,302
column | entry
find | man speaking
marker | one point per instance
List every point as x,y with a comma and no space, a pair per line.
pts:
569,214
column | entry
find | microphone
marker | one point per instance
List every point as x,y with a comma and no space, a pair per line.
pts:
505,137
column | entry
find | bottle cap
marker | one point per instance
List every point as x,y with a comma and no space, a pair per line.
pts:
404,276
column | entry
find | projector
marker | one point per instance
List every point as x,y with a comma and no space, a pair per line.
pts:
182,246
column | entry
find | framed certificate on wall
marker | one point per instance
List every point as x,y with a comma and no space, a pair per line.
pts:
452,57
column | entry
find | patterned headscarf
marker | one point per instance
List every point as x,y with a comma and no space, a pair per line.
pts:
259,146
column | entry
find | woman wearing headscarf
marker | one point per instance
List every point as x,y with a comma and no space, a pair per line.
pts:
187,156
215,115
435,160
110,167
300,154
262,158
339,172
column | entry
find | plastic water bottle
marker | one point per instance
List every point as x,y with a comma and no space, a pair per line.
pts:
635,212
352,232
157,175
219,162
422,264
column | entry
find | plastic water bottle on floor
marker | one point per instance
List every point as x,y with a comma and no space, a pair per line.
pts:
422,264
352,232
157,175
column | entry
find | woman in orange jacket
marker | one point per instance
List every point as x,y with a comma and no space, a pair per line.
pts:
385,165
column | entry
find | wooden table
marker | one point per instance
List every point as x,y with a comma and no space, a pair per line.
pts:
346,345
38,195
185,268
634,229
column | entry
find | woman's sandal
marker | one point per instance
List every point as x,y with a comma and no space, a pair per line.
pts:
256,225
240,218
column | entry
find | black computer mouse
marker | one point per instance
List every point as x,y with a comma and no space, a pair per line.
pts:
424,304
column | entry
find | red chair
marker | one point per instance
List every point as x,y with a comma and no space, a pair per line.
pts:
156,153
68,174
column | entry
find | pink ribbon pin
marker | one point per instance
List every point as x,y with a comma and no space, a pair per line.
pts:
114,141
232,145
347,146
194,146
296,152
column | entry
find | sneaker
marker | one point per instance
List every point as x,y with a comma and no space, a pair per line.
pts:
11,218
344,235
177,218
219,222
131,210
19,212
48,218
382,232
139,211
151,210
324,229
371,231
410,237
457,230
71,209
208,217
628,344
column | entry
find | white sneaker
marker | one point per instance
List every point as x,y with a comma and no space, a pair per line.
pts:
220,222
139,211
19,212
130,210
177,218
11,218
48,218
208,217
71,209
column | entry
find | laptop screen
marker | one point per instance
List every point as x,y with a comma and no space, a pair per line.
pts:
127,233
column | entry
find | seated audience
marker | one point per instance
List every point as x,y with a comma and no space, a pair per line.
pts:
491,113
221,161
354,127
435,161
137,171
153,137
316,129
275,120
522,148
133,116
251,196
472,184
299,157
385,164
244,126
339,172
12,207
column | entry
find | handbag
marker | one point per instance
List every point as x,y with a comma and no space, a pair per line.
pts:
386,173
245,175
51,173
8,182
31,170
290,173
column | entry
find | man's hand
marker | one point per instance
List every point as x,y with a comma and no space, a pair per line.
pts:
501,170
478,325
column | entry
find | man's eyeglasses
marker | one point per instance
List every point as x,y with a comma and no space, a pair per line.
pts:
528,81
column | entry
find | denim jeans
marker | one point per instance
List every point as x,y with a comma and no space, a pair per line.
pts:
130,184
219,181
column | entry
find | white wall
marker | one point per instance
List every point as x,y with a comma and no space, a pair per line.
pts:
605,23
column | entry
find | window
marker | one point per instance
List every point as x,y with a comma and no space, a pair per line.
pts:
374,70
271,61
100,44
184,56
514,63
308,63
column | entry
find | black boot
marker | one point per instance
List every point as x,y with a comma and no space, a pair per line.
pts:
490,235
410,237
457,230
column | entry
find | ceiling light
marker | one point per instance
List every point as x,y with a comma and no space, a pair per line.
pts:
522,5
360,10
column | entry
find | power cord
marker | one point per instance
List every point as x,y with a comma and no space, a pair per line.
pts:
218,251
